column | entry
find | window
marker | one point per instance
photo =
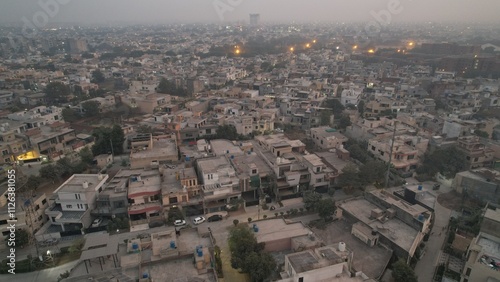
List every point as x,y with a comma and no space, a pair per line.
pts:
77,196
254,171
2,222
44,201
319,180
37,207
5,152
467,273
69,206
411,157
373,148
40,217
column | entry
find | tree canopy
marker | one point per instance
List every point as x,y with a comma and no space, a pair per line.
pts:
57,93
326,207
247,254
335,105
349,177
447,161
401,272
91,108
311,200
226,132
168,87
70,115
98,76
373,172
105,136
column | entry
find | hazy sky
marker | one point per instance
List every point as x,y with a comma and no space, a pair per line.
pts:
167,11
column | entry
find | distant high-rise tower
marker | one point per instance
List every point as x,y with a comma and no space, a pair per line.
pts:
254,19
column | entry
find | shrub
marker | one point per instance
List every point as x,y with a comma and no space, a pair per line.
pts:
276,214
249,219
264,216
236,222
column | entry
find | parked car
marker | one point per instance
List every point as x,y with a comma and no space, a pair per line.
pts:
216,217
180,222
97,222
199,220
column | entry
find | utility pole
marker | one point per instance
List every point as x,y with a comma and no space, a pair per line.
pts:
390,157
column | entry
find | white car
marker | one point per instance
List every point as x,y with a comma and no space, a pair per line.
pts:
179,222
199,220
97,222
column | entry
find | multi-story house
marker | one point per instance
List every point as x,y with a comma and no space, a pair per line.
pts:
327,138
151,151
38,116
483,253
13,146
6,99
406,151
74,200
113,200
477,154
180,188
220,182
30,216
321,174
144,197
53,140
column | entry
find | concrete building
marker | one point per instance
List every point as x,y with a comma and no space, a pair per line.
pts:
30,214
38,116
113,200
74,199
220,182
477,154
180,188
53,140
144,197
482,184
278,235
7,99
328,263
398,224
483,254
327,138
406,151
151,151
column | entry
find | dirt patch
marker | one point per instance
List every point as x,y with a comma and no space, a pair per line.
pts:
451,200
455,201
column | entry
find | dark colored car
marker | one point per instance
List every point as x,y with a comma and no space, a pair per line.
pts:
216,217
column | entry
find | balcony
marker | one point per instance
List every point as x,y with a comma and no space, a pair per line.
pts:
145,208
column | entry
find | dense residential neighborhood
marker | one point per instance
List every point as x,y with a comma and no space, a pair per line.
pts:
205,152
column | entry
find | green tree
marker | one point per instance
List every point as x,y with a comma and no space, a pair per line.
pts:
236,222
226,132
325,117
106,136
349,178
86,155
247,254
335,105
361,107
57,93
97,76
69,115
144,129
91,108
344,121
50,172
311,200
169,87
447,161
401,272
326,207
259,266
481,133
373,171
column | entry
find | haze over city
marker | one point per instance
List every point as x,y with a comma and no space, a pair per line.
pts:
160,11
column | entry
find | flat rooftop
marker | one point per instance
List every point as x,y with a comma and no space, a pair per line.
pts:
394,229
76,182
148,181
161,148
276,229
492,214
490,245
221,147
371,261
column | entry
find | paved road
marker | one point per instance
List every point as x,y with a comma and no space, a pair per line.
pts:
425,267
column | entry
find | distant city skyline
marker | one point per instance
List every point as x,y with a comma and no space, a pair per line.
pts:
217,11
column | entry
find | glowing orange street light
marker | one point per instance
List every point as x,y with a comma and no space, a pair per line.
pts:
371,51
410,44
314,41
355,47
292,49
308,45
238,51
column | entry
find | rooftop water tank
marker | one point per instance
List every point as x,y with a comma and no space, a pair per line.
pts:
342,246
420,187
135,246
199,251
172,245
420,217
145,275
